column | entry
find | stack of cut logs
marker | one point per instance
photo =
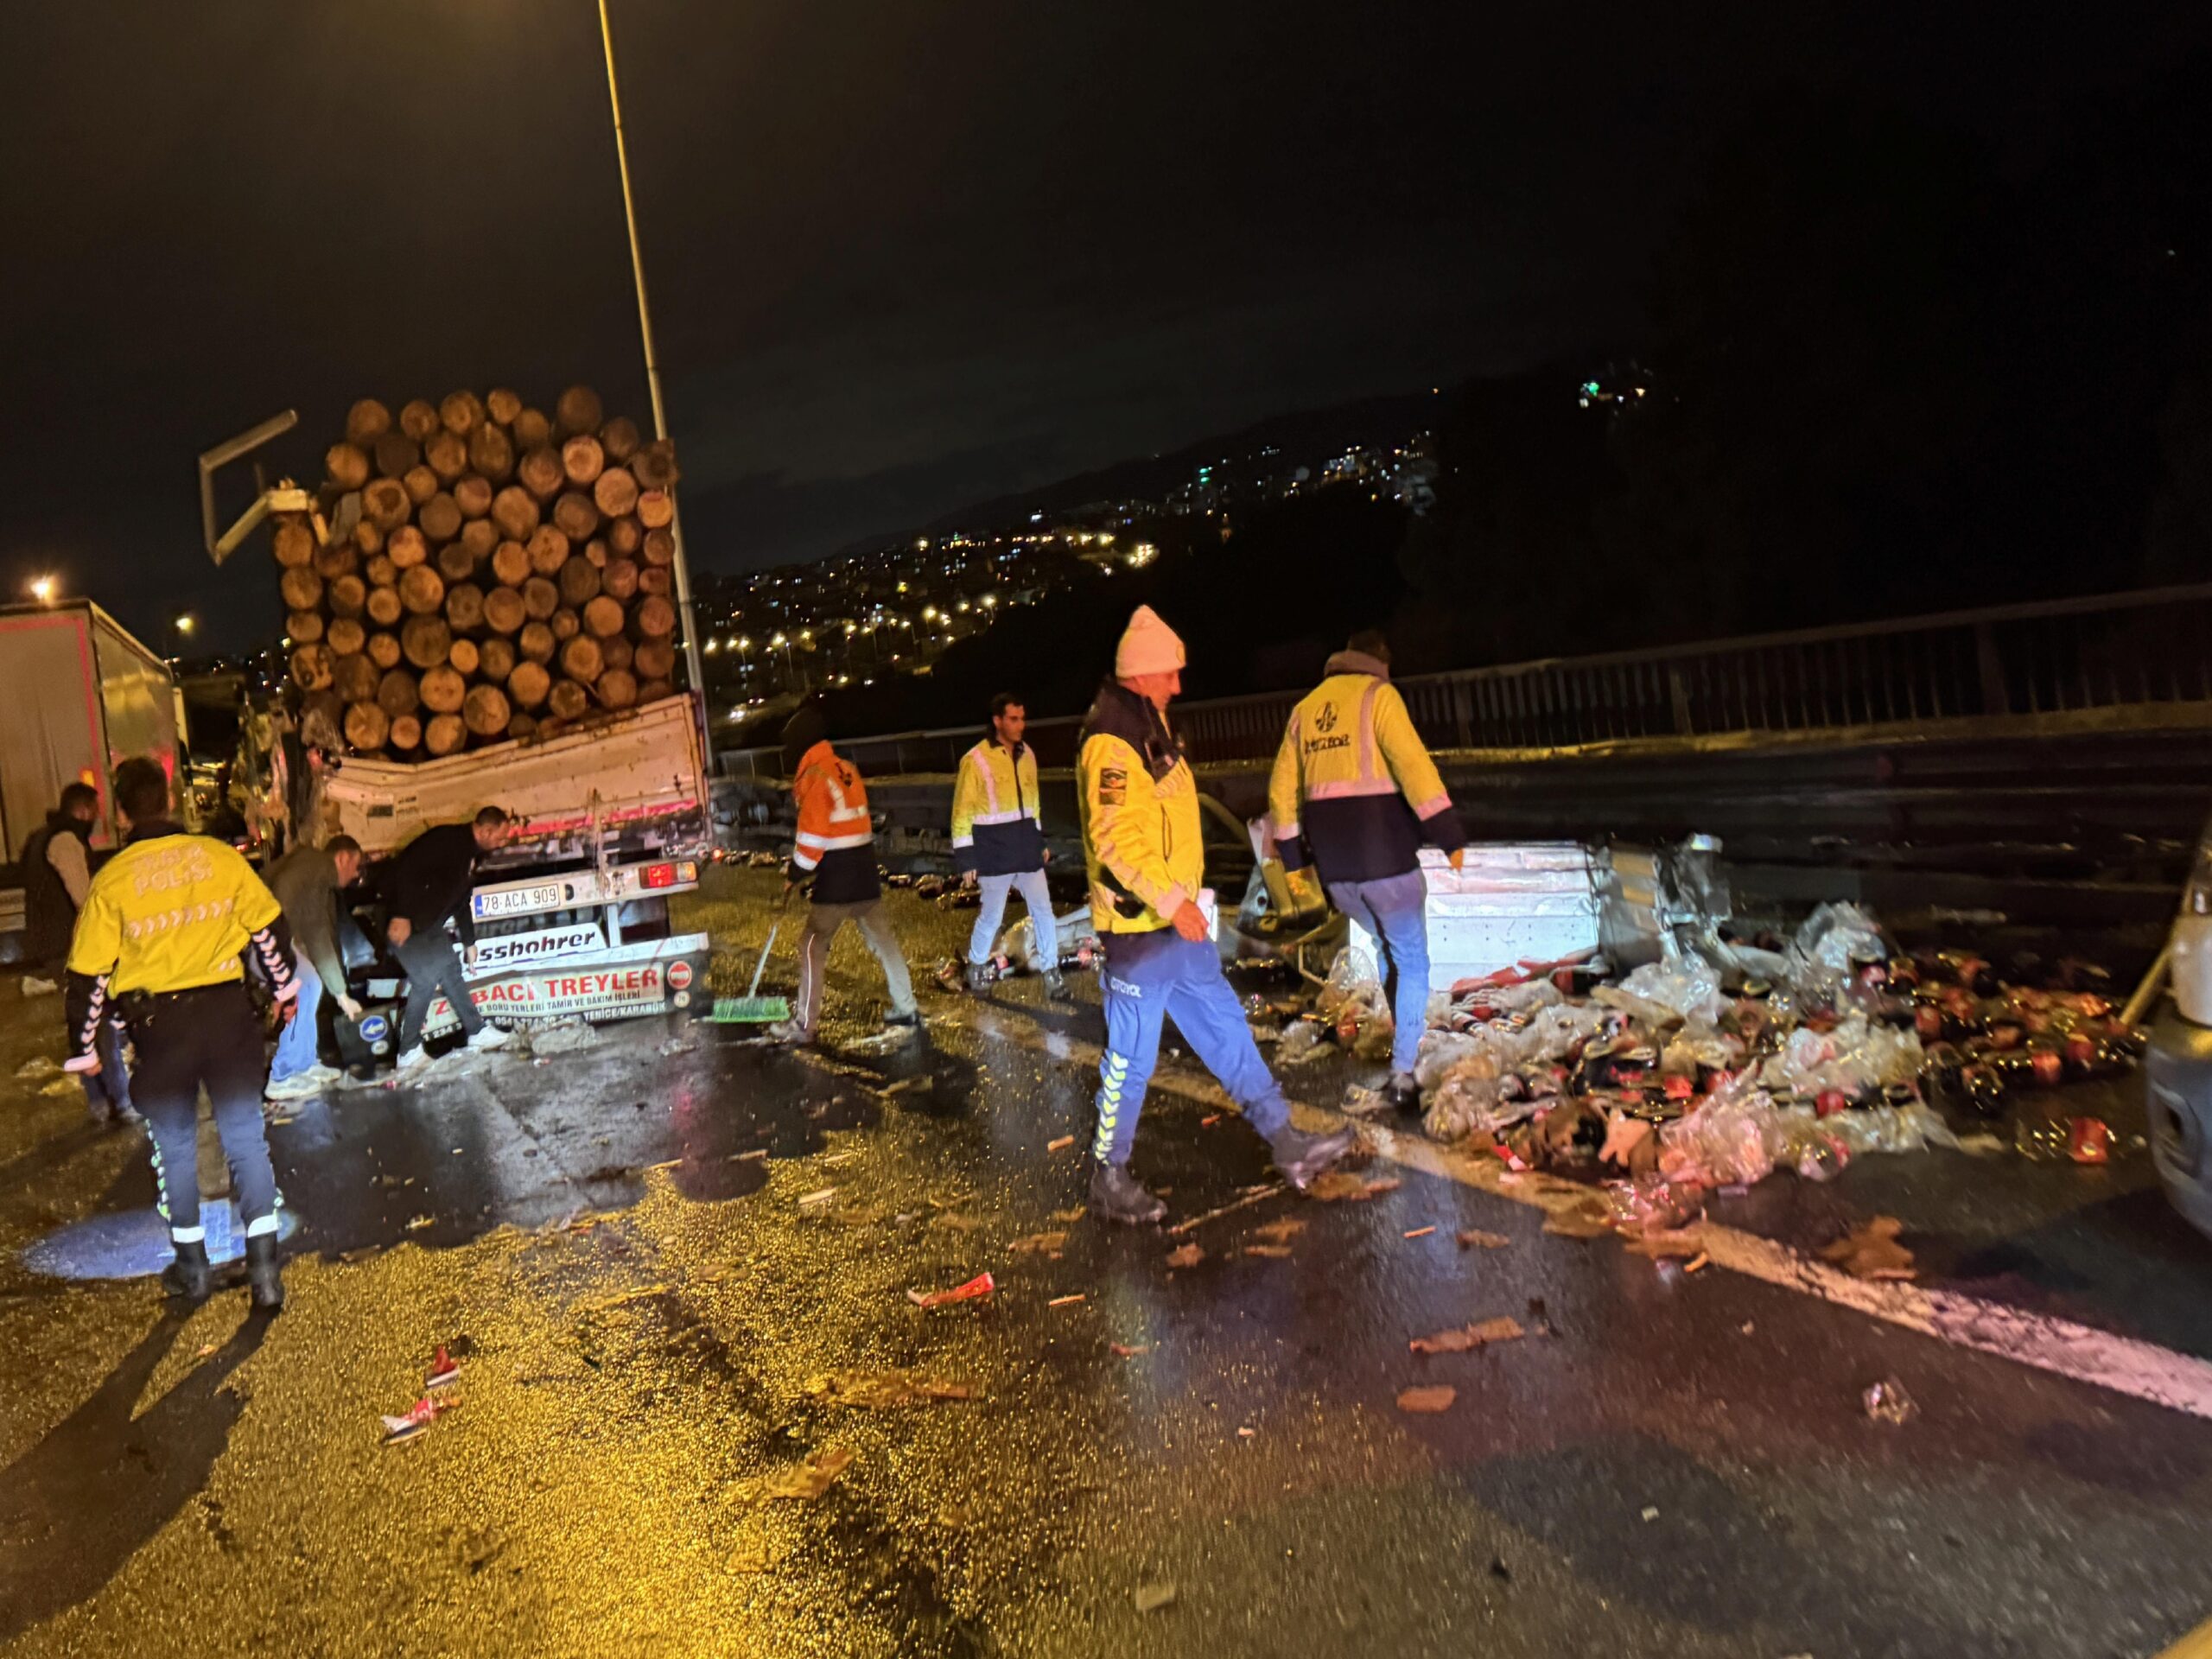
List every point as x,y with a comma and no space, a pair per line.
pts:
508,575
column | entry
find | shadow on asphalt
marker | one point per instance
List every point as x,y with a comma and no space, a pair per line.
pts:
79,1503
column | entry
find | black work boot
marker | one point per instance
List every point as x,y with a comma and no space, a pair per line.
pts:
1405,1094
188,1276
977,977
261,1274
1056,984
1301,1157
1115,1197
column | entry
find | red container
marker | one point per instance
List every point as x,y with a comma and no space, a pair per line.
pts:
2089,1140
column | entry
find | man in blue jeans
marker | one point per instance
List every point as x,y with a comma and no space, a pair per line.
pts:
307,882
1355,793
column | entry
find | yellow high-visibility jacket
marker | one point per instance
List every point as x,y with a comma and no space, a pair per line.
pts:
171,912
1139,803
1354,792
998,825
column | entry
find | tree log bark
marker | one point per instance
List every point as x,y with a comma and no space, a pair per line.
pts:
335,559
549,549
617,688
581,659
487,711
383,650
463,657
444,735
346,638
617,652
595,551
302,587
531,430
529,684
347,466
540,598
367,420
502,405
367,727
536,642
514,509
603,618
655,659
347,596
655,579
443,688
394,453
654,466
568,700
540,475
422,590
619,437
421,484
304,627
479,537
625,536
579,581
440,519
575,515
579,411
418,419
368,534
654,691
385,504
520,727
425,640
406,547
619,579
383,606
396,693
565,624
354,678
322,720
615,493
406,733
496,659
311,667
378,571
292,542
503,610
659,548
448,456
655,508
465,607
461,413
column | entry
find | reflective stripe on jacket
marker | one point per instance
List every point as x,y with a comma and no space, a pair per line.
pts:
836,842
1354,792
1141,849
998,828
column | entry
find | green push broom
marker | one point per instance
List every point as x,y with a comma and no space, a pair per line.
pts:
753,1008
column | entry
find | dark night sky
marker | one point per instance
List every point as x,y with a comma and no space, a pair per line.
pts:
903,257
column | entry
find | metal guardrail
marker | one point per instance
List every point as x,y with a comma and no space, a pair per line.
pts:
2064,658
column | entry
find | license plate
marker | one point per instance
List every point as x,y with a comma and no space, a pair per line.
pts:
519,901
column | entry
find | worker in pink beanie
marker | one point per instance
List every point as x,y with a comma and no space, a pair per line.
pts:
1142,853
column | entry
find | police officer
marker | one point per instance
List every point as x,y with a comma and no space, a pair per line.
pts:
1143,857
998,838
162,937
1355,794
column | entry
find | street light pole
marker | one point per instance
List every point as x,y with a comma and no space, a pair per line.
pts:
693,667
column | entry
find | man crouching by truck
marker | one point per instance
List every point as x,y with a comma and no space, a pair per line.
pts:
161,936
427,885
836,850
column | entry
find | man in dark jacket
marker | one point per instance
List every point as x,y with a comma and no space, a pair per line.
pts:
57,869
427,885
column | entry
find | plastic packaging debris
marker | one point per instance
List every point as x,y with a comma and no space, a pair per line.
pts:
1427,1401
1301,1043
445,1370
981,1286
1733,1137
418,1417
1825,952
1353,982
1652,1205
1468,1101
2089,1140
1856,1057
1684,987
1886,1401
1360,1102
1909,1128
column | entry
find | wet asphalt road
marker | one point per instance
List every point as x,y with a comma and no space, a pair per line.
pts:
648,1309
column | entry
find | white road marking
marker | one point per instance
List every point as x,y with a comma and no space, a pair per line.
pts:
2082,1353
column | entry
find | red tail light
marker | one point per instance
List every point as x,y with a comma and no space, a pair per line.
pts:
660,875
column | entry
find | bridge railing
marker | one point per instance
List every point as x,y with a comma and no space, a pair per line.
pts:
2065,656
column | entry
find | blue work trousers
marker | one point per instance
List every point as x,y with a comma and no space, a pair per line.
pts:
1151,977
1035,894
296,1042
1394,912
